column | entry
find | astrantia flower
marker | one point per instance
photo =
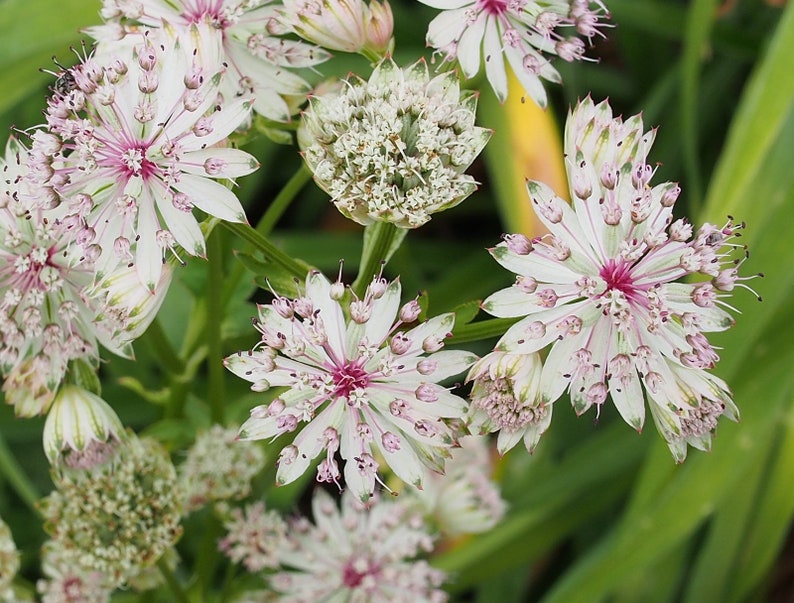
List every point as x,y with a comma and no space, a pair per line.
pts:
124,306
9,561
523,31
119,516
259,60
394,148
81,430
347,25
505,397
219,467
66,581
134,148
361,384
45,319
605,288
358,554
254,537
464,500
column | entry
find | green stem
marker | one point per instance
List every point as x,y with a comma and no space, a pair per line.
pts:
214,323
161,347
283,199
484,329
16,477
381,240
270,251
268,221
170,579
208,552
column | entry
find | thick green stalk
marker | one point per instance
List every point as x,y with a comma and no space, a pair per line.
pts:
483,329
16,477
381,240
268,221
162,349
270,251
179,594
214,323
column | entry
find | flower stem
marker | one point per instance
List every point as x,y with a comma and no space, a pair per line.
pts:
174,586
214,322
270,251
483,329
16,477
283,200
381,240
268,221
161,347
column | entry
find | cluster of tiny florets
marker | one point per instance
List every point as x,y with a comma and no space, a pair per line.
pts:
465,500
254,537
357,382
246,35
524,32
9,560
606,290
120,517
393,148
219,467
364,554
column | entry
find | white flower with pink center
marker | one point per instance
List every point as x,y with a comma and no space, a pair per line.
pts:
45,321
352,380
522,31
259,60
133,147
357,553
604,288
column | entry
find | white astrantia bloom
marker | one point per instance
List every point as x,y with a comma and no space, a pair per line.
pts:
522,31
45,319
135,143
259,60
66,581
356,382
357,554
9,562
393,148
254,536
505,397
218,467
81,429
124,306
465,500
608,288
117,517
346,25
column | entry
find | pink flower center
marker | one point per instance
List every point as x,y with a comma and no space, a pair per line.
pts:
493,7
206,10
135,163
348,378
617,275
356,570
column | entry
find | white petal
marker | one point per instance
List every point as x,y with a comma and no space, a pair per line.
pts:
211,197
447,4
234,163
257,428
469,45
446,28
495,63
384,313
148,253
404,462
181,224
628,398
